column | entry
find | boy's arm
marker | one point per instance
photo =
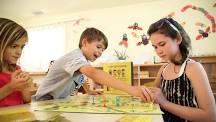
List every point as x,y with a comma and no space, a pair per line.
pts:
106,79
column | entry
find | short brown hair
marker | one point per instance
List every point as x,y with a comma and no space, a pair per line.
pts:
93,34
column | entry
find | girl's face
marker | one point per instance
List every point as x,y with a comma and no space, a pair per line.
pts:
165,47
13,52
92,50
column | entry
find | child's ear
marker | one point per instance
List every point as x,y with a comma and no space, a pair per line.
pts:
179,39
84,42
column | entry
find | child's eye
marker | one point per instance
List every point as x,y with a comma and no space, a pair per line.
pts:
162,44
13,46
155,47
99,47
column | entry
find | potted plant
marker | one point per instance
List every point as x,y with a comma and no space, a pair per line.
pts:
121,55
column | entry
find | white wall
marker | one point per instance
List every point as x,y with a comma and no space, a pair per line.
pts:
114,22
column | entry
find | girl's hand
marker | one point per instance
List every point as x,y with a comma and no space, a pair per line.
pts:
19,80
29,80
159,97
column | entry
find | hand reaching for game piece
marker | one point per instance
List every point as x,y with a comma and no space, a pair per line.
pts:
143,92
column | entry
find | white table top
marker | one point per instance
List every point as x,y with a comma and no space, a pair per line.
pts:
74,117
83,117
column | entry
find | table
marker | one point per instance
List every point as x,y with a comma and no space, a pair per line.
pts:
27,112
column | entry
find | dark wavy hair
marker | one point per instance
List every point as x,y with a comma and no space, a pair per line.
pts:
173,29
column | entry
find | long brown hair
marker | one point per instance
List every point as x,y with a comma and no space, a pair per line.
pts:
10,32
173,29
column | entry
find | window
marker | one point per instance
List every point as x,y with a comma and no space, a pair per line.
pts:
45,43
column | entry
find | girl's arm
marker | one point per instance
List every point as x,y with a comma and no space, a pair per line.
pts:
158,77
8,89
202,90
14,84
26,93
206,111
106,79
5,91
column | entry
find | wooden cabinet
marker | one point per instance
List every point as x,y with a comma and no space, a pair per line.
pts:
145,74
209,64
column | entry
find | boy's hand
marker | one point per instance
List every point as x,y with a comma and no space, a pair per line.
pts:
147,95
94,92
143,92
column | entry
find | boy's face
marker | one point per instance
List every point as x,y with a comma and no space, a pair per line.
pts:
92,50
13,52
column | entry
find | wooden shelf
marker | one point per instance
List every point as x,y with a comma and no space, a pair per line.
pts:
145,74
148,65
37,73
205,59
147,78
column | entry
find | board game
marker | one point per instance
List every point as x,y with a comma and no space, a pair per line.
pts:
107,103
120,70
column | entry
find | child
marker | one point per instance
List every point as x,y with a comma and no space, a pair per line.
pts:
182,86
14,83
67,74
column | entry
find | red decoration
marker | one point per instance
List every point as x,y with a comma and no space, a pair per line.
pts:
203,34
124,40
135,26
208,16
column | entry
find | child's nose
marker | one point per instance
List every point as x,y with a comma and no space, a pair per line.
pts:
19,51
159,51
101,51
99,54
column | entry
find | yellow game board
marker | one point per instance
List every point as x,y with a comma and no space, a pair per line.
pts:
99,104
